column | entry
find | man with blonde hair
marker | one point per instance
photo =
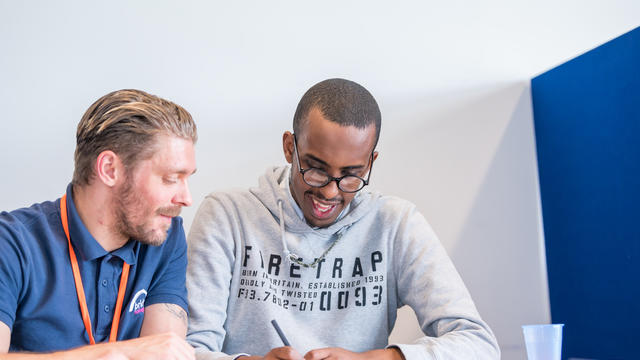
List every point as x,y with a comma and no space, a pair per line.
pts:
107,261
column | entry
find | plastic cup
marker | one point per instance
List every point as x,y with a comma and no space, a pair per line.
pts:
544,342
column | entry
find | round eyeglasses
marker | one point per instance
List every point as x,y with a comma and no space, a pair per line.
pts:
319,178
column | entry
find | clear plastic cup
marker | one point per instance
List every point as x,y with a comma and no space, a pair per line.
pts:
544,342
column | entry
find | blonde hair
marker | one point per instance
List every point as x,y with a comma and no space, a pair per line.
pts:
126,122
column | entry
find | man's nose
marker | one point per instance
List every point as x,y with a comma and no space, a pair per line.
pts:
330,190
183,198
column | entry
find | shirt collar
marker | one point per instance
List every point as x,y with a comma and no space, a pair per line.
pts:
86,245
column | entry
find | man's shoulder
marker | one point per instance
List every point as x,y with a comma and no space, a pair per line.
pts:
231,194
232,198
26,234
390,205
34,218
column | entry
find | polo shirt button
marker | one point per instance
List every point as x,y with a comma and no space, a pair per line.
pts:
106,308
104,283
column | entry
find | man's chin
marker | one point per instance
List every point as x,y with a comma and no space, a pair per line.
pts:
319,223
152,241
153,238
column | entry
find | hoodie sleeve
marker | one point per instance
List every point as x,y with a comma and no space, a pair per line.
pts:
428,282
211,259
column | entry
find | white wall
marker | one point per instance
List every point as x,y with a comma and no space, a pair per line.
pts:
451,79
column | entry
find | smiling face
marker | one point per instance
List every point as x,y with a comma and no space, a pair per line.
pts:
338,150
155,190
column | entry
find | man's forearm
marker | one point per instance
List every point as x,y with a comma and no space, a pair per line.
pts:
165,346
99,351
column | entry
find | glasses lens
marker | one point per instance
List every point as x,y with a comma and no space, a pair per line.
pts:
316,177
351,183
319,178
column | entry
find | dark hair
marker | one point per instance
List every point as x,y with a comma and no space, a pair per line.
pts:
341,101
126,122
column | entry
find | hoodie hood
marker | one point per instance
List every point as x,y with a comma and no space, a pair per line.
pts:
270,193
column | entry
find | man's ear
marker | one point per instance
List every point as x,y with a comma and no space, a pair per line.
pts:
109,168
287,146
375,155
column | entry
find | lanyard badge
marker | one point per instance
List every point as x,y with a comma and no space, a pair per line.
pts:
80,289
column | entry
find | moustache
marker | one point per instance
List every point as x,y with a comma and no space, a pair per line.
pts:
171,211
335,200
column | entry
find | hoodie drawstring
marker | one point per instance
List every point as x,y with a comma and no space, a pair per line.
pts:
297,259
282,233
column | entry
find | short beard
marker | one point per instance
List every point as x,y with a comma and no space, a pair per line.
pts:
128,205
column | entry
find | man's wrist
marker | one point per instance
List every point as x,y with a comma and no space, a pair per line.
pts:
390,353
396,353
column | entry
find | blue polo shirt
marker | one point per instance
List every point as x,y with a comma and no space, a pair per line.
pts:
38,299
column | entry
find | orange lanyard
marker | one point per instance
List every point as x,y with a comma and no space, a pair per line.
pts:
80,289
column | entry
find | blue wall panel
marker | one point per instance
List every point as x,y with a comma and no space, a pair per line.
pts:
587,125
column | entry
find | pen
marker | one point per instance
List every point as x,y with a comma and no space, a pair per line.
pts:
280,333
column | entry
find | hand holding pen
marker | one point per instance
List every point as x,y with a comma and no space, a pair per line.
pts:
288,353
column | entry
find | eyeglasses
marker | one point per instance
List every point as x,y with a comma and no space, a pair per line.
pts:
319,178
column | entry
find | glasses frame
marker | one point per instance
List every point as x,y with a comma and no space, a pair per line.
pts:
330,178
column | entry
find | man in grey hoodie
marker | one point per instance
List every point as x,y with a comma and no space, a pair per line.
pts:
330,262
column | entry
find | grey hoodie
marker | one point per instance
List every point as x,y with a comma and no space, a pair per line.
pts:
239,278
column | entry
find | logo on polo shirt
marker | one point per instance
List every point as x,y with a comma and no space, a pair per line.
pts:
137,304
